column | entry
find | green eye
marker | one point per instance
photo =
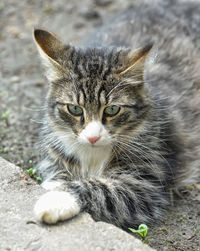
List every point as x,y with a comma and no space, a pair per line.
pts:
75,110
111,110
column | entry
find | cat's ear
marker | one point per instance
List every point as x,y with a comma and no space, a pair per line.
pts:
134,62
51,49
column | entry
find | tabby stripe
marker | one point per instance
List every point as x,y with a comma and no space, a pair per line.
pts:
121,119
99,95
84,94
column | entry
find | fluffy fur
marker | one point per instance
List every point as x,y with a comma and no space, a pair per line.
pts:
151,144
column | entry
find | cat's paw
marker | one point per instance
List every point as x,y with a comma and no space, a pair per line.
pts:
56,206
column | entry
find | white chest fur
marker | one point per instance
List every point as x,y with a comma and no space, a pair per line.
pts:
92,156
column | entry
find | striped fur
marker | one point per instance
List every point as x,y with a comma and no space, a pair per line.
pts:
147,148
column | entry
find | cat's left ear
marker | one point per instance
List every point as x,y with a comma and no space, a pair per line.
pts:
134,63
51,50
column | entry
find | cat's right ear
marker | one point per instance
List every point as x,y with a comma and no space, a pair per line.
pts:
134,63
50,49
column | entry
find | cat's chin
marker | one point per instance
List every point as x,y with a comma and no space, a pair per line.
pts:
96,146
93,147
99,145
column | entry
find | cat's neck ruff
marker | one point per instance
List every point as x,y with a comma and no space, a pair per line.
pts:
93,159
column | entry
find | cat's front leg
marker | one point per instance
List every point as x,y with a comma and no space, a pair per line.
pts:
124,201
56,206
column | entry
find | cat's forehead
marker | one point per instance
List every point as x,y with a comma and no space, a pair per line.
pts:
93,75
94,93
96,63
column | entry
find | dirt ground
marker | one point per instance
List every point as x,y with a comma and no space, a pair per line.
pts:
22,90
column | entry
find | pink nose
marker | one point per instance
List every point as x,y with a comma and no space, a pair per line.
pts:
93,139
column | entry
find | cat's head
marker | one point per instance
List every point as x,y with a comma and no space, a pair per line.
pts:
96,95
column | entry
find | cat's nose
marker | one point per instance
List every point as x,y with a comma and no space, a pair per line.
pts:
93,139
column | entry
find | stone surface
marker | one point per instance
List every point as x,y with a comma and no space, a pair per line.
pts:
19,231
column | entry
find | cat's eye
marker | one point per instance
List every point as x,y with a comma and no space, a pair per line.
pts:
75,110
111,110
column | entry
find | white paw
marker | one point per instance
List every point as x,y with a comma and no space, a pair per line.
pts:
56,206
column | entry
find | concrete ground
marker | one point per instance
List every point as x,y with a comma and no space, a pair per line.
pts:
19,230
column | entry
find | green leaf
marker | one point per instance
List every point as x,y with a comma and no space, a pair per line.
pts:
133,230
31,171
5,114
38,178
142,230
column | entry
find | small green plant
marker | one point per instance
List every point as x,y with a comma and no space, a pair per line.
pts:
4,150
142,231
5,115
32,173
163,229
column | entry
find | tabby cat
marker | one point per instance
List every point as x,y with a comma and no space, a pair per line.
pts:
121,123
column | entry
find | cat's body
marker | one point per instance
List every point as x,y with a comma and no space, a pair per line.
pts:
120,131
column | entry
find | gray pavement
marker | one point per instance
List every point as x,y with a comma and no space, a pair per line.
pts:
19,230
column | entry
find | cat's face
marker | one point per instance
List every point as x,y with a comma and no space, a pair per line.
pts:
96,96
